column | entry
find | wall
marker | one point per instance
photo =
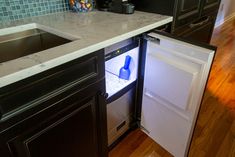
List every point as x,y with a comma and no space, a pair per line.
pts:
226,11
18,9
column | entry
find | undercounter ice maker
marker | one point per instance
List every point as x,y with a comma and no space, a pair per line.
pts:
121,92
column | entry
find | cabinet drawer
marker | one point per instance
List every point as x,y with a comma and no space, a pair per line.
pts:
31,91
199,30
182,21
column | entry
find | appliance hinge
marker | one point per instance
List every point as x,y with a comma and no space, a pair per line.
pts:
152,39
137,39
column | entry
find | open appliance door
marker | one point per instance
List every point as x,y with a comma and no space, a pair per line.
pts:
176,74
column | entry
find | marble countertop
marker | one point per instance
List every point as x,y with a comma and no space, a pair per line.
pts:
89,31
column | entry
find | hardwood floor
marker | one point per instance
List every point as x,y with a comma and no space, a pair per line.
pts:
214,135
138,144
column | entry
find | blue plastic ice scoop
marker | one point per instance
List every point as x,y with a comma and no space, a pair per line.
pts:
125,72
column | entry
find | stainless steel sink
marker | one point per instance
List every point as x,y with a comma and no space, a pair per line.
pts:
27,42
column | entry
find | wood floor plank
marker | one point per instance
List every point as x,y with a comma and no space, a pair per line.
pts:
138,144
145,149
227,144
128,145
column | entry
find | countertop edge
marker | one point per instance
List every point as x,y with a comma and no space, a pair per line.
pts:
24,73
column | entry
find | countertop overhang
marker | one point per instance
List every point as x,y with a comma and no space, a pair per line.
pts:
89,31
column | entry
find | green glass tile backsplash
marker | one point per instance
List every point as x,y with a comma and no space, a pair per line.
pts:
18,9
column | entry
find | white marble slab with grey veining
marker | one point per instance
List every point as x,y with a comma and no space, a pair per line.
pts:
89,31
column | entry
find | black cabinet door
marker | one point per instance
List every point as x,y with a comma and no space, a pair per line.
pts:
165,7
187,10
72,135
188,7
69,127
210,6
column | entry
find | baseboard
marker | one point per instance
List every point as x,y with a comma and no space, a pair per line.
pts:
229,18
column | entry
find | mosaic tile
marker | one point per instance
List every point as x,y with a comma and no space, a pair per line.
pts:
19,9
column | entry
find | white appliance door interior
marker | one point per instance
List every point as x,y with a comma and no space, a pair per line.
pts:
175,77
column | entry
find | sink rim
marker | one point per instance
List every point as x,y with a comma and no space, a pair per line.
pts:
11,31
29,65
30,26
21,35
17,45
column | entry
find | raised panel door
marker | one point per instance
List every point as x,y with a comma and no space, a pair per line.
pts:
74,134
71,125
210,6
187,11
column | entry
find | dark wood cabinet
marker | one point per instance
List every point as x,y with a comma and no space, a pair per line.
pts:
187,10
189,7
201,32
210,6
186,15
68,120
71,131
192,14
197,21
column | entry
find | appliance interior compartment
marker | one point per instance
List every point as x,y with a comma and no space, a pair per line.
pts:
120,91
115,61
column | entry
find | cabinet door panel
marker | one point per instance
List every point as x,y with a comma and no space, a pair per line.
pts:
72,135
189,5
210,6
211,1
175,77
70,125
187,11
